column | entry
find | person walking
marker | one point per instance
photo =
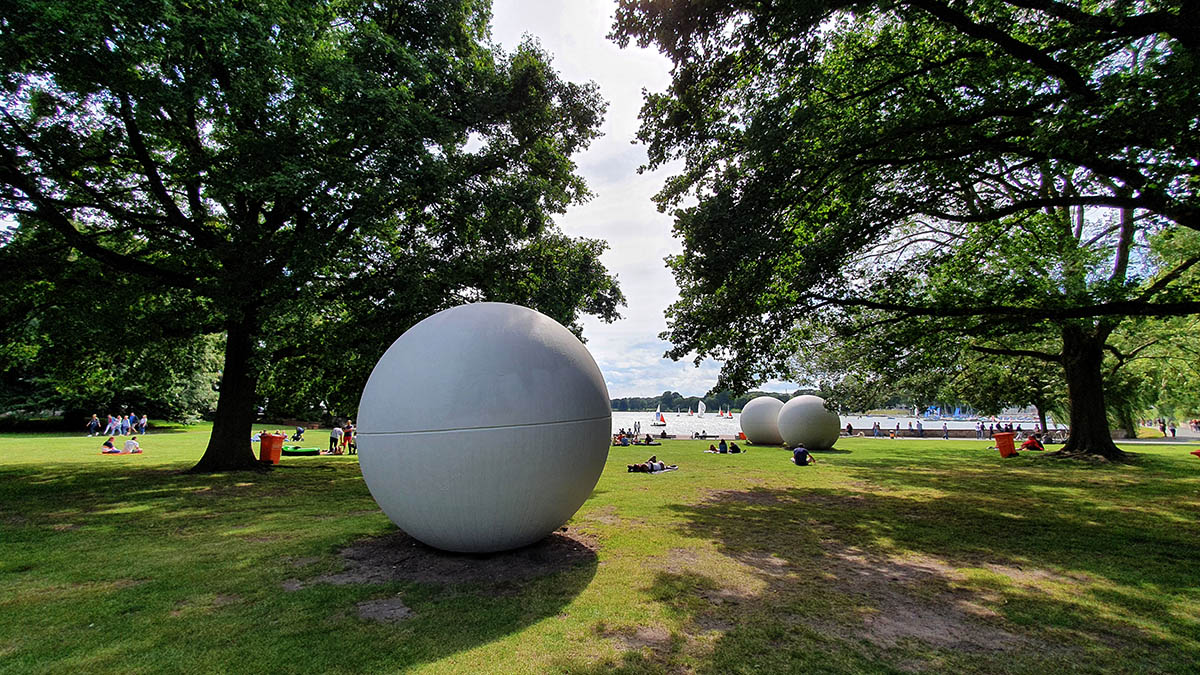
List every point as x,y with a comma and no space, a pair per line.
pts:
945,431
93,425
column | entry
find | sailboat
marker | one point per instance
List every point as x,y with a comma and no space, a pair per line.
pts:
689,410
659,420
700,409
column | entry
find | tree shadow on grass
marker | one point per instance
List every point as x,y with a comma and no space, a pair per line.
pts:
194,566
1012,567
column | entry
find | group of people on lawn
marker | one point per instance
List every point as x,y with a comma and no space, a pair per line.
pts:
622,438
343,439
118,425
800,457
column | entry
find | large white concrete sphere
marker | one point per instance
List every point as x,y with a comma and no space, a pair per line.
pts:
805,419
483,428
760,420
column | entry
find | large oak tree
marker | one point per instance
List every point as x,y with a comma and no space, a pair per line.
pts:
267,159
815,134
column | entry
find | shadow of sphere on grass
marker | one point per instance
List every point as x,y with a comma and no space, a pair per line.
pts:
397,557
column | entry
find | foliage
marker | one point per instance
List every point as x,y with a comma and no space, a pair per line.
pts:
348,162
975,171
83,340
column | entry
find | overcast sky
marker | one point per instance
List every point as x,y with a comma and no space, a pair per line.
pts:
639,237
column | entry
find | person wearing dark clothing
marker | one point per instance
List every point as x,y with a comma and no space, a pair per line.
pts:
802,457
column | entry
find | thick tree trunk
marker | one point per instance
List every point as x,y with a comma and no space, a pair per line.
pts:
229,446
1082,357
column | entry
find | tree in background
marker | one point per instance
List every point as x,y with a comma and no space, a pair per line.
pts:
970,170
80,341
265,163
325,347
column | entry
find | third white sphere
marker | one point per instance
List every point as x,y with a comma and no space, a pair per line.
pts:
805,420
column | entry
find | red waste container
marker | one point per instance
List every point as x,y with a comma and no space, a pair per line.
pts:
1004,443
270,446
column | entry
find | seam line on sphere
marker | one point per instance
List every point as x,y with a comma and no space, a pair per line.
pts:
497,426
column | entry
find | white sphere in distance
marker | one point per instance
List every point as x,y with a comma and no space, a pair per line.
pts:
760,420
483,428
805,419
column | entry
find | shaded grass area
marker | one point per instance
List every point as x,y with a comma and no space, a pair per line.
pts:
888,556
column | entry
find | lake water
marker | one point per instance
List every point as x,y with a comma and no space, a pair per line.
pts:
683,425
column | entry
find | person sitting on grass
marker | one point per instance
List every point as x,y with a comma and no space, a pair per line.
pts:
733,448
131,446
802,457
712,448
1034,442
108,447
722,448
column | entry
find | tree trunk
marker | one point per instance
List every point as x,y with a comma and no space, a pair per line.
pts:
229,446
1082,357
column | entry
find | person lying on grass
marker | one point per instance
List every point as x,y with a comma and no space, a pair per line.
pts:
107,446
802,457
650,466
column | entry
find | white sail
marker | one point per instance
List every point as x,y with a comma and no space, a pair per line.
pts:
700,409
659,420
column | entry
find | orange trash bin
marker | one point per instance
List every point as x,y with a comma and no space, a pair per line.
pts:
1004,443
270,447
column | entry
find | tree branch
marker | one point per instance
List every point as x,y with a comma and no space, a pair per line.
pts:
1000,351
1112,309
46,211
1023,51
1167,278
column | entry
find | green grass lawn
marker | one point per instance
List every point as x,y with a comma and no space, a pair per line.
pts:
887,556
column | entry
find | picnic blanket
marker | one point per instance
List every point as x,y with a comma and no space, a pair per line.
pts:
297,451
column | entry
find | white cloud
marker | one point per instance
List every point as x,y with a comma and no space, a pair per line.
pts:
627,351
